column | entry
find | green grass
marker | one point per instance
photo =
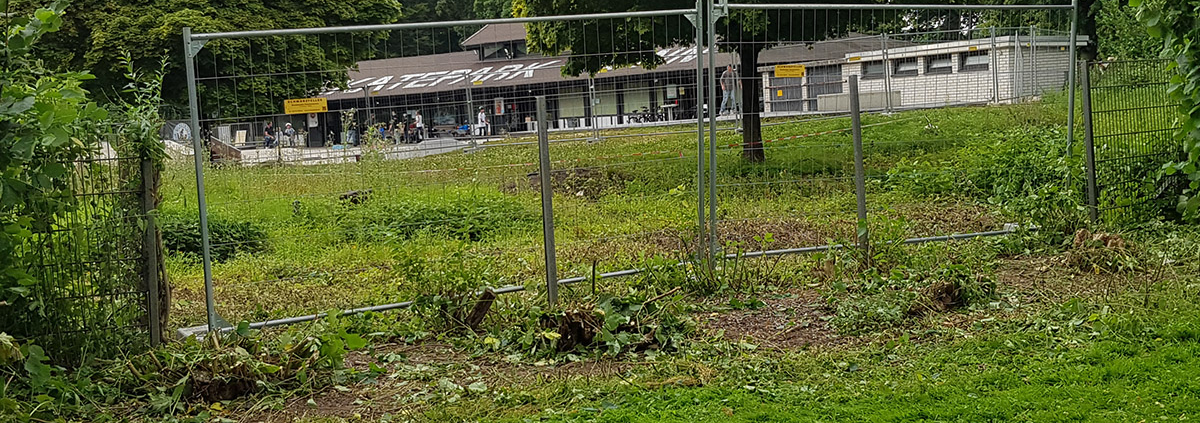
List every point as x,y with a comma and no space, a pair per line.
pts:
613,208
977,380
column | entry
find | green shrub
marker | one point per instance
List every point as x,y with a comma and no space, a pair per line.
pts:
227,237
470,218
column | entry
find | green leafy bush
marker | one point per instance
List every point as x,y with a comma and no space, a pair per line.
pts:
47,121
227,238
464,217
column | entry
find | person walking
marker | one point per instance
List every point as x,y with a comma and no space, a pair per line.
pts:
482,123
730,85
420,126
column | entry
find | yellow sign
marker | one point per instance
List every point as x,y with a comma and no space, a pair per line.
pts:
789,71
303,106
973,48
854,59
779,93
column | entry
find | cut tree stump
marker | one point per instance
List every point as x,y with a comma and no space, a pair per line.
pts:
480,310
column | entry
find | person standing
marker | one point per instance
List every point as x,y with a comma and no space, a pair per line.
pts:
269,135
482,123
420,126
290,133
730,85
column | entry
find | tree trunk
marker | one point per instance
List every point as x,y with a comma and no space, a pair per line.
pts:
752,148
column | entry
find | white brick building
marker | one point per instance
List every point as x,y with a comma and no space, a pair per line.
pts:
992,69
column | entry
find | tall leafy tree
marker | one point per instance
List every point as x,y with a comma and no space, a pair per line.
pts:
96,32
746,33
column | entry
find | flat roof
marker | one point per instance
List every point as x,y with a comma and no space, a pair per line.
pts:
459,70
495,33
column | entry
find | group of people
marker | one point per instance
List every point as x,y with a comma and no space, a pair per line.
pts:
269,138
402,128
405,128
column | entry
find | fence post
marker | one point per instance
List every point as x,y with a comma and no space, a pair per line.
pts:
471,112
860,183
1089,145
1072,57
150,251
547,202
189,53
887,73
713,243
697,22
995,68
1035,87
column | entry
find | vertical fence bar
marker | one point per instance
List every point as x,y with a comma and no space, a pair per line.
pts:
547,202
887,72
1017,68
995,68
1071,75
860,176
1089,146
713,244
1035,87
150,252
198,150
701,249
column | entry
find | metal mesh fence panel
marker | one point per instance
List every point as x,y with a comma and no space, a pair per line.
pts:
1132,126
88,266
934,84
420,176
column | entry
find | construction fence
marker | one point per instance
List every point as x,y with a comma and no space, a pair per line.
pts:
377,160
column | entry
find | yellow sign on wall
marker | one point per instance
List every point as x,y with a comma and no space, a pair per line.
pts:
303,106
789,71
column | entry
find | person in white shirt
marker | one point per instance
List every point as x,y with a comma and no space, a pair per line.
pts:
420,124
482,123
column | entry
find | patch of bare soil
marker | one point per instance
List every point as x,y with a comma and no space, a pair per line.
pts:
787,233
797,319
944,218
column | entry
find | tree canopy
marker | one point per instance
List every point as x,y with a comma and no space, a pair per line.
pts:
96,32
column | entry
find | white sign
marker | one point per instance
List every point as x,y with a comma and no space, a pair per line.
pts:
312,120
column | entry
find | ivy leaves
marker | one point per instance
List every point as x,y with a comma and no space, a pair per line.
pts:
1176,22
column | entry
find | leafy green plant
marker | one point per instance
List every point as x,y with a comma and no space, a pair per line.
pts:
227,237
464,217
182,379
1176,23
46,122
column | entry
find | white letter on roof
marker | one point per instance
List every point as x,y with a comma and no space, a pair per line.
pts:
424,80
454,77
501,73
528,72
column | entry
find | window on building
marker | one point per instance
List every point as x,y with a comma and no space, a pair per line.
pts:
904,67
872,70
823,80
974,61
637,96
939,64
572,102
502,51
606,94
